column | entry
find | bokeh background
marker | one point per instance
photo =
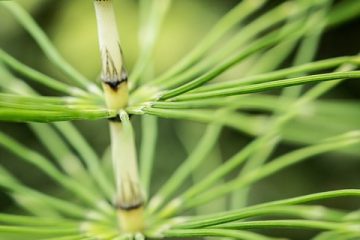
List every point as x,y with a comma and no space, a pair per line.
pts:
72,28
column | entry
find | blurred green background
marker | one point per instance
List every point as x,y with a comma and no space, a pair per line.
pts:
72,28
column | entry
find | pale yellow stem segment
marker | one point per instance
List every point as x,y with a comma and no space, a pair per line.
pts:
113,74
130,200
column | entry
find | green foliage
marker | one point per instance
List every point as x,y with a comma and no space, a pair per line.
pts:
194,89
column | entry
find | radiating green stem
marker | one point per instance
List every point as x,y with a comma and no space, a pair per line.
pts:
305,53
45,44
242,122
277,165
291,224
244,36
283,73
197,157
260,87
262,43
147,150
43,164
153,13
39,77
88,155
238,234
236,15
35,201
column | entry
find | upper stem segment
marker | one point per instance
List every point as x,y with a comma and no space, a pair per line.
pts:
113,74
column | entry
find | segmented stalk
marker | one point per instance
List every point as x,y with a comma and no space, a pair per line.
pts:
129,198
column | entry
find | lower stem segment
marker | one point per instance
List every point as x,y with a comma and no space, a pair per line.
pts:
129,198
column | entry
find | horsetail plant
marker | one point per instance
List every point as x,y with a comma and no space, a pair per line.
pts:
116,202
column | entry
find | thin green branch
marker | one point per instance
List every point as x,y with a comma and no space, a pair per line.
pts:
260,87
44,109
88,155
239,41
152,17
262,43
224,25
337,235
207,182
45,44
52,231
238,234
284,73
197,156
241,122
34,158
243,102
35,201
34,221
71,237
292,224
305,53
64,156
306,212
275,166
147,150
17,115
39,77
70,133
342,12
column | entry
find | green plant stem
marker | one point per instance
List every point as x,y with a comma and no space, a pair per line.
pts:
9,83
241,122
342,12
68,161
306,212
243,102
275,166
45,44
34,221
283,73
70,237
305,53
262,43
311,95
43,201
15,98
245,35
43,164
229,21
69,132
38,230
10,114
43,109
152,17
290,224
272,58
236,160
337,235
40,77
147,150
271,85
88,155
197,156
238,234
